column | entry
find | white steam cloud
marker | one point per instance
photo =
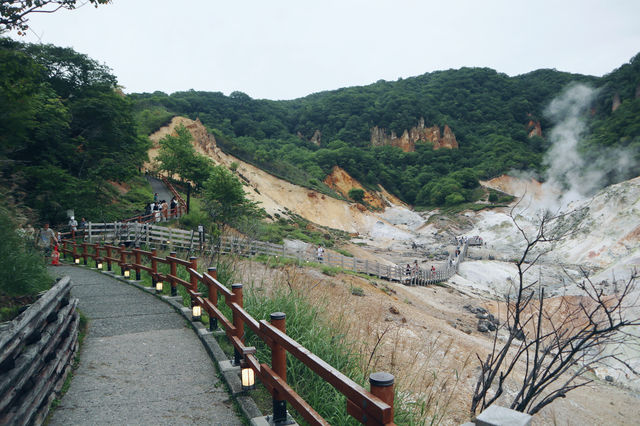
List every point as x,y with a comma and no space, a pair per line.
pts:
570,175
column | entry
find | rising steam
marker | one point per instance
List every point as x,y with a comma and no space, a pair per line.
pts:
571,174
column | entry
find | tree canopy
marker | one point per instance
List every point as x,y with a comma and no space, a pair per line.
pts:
65,130
490,113
14,14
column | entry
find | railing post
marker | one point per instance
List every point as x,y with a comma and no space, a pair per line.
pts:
84,253
75,252
154,268
64,249
96,249
279,365
382,387
237,320
174,289
109,259
193,280
138,262
123,260
213,297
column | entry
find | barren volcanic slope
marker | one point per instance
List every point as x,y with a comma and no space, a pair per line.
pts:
427,337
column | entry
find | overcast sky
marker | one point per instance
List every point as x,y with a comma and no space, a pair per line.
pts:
288,49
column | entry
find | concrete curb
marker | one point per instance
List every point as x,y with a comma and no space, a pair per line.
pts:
230,375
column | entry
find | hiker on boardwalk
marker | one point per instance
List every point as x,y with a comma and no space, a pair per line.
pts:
173,212
320,252
415,268
433,271
83,226
165,210
73,226
46,240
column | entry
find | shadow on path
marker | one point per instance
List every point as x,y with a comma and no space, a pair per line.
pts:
140,362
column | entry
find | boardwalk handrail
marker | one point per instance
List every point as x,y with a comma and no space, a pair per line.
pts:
178,239
369,407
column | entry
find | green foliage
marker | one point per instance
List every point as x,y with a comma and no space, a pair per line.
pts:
357,291
225,200
487,111
307,326
331,271
178,156
15,14
65,131
356,194
151,119
22,269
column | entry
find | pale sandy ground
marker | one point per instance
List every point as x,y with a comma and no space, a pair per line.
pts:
429,338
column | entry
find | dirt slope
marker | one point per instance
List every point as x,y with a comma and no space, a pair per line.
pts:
276,195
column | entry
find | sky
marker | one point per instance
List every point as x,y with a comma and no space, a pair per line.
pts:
292,48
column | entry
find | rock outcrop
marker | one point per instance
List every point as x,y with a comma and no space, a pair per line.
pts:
534,128
615,102
407,142
315,139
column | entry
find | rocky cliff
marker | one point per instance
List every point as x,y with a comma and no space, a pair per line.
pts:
534,128
421,133
340,181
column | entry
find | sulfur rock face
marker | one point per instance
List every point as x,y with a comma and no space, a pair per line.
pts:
407,141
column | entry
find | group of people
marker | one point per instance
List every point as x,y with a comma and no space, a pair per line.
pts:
74,226
160,209
413,270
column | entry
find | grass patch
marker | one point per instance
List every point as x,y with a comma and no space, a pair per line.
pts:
331,271
22,268
357,291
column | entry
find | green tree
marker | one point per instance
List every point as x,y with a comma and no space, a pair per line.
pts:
178,156
14,13
356,194
225,200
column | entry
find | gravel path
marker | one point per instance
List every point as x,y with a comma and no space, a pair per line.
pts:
140,362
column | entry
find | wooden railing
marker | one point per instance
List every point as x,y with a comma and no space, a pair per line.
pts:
177,239
181,203
373,407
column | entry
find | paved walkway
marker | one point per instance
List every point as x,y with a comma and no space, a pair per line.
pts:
140,362
158,186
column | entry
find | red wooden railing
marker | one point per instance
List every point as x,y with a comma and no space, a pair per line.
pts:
373,407
181,202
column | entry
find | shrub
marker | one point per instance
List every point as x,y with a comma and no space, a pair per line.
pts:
22,268
356,194
331,271
357,291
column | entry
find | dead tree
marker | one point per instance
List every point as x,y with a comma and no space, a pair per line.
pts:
548,345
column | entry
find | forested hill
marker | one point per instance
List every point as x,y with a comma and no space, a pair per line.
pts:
494,117
69,137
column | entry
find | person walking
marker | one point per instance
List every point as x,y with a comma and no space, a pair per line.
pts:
73,226
165,210
320,253
46,240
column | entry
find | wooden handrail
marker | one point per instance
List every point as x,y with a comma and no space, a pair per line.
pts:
362,404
